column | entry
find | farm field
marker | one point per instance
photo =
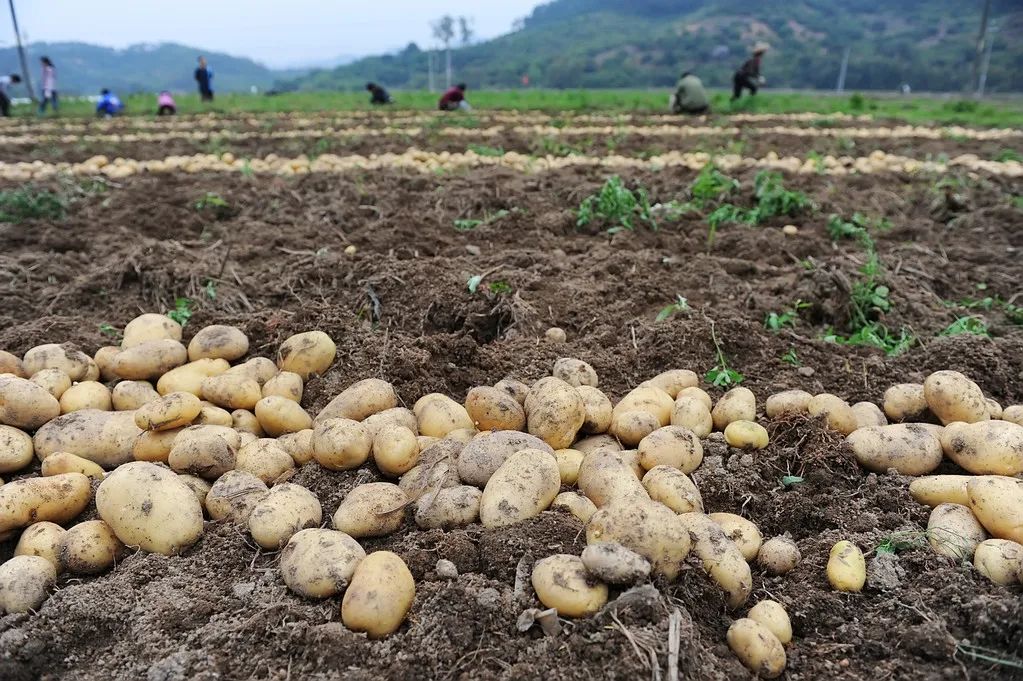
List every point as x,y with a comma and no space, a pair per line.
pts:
436,252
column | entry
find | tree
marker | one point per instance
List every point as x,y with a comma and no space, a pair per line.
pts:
465,29
444,31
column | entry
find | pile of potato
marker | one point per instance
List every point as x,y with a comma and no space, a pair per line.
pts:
175,434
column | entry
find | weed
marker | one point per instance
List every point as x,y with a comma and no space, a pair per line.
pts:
499,287
968,324
875,335
110,330
987,655
818,161
773,199
322,146
616,204
550,146
210,289
182,311
712,185
776,321
1009,155
903,541
721,375
27,203
469,224
680,305
484,150
792,358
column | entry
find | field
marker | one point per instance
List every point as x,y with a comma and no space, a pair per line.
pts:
438,257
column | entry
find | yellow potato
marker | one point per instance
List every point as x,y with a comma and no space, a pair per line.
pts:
234,495
150,359
746,435
11,364
67,358
440,415
985,448
521,488
360,400
188,378
779,555
299,445
375,509
516,389
592,443
89,548
199,487
605,476
772,615
340,444
23,404
650,529
698,394
673,488
905,402
259,369
1013,414
218,342
54,381
396,416
996,501
448,508
493,409
92,373
575,372
319,563
597,410
648,398
104,360
674,446
721,557
953,531
154,446
757,648
741,531
106,437
690,412
614,564
15,449
205,451
130,395
1000,560
287,509
675,381
846,569
279,415
569,461
462,435
395,450
379,596
562,582
909,448
837,413
62,462
245,421
150,327
485,453
306,354
994,408
738,404
576,504
436,470
212,415
25,583
868,414
940,489
41,539
231,391
286,384
85,395
630,427
265,459
171,411
954,397
787,402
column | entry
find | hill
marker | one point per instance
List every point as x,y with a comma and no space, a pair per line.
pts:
86,69
646,43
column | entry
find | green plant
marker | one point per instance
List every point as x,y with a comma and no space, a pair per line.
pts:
874,335
26,203
776,321
711,185
903,541
968,324
792,358
680,305
721,375
723,213
468,224
210,289
616,204
499,287
182,311
484,150
773,199
1009,155
110,330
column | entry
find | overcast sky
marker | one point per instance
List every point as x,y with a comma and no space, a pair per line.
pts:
276,32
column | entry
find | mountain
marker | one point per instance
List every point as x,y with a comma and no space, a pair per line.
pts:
86,69
928,44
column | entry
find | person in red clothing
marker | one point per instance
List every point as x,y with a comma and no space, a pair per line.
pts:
454,99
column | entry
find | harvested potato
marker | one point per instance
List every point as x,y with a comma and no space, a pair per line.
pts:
757,648
868,414
106,437
562,582
89,548
630,427
148,506
787,402
650,529
516,389
741,531
953,531
673,488
772,615
130,395
524,486
340,444
439,415
485,453
996,501
62,462
614,564
555,335
41,539
837,413
985,448
698,394
11,364
909,448
85,395
265,459
279,415
379,596
396,416
954,397
231,391
23,404
606,476
149,360
569,461
54,381
319,563
675,381
905,402
596,408
448,508
154,445
234,495
287,509
846,569
436,470
375,509
360,400
25,583
218,342
395,450
691,413
994,409
779,555
738,404
259,369
150,327
305,354
104,361
205,451
245,421
200,488
212,415
1013,414
462,435
721,558
15,449
286,384
1000,560
169,412
93,373
746,435
932,490
576,504
591,444
674,446
188,378
299,445
493,409
575,372
67,358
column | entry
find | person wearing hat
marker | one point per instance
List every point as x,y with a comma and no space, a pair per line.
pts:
689,97
748,76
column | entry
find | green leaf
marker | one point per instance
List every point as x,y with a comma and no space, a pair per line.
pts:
474,282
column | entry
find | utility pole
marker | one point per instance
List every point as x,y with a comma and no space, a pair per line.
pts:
429,60
979,53
987,62
842,71
21,55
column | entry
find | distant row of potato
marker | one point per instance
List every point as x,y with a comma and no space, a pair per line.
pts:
176,433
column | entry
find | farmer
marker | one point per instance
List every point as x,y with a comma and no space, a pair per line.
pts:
454,99
5,98
748,76
378,95
108,105
689,97
49,86
165,105
204,76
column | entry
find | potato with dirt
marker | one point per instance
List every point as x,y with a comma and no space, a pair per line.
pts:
25,405
515,388
188,378
1013,414
606,476
521,488
738,404
953,531
11,364
379,595
55,381
319,563
395,450
306,354
868,414
231,391
846,569
341,444
951,396
569,461
218,341
105,437
85,395
25,583
692,413
576,504
674,446
630,427
597,409
285,384
612,563
66,358
909,448
996,501
171,411
58,499
299,445
772,615
130,395
149,327
259,369
575,372
1000,560
41,539
838,415
986,447
16,450
212,415
448,508
675,381
89,548
265,459
673,488
787,403
287,509
932,490
438,415
62,462
493,409
722,559
757,647
743,532
779,555
562,582
650,529
485,453
154,446
279,415
206,451
233,496
746,435
149,360
375,509
905,402
360,401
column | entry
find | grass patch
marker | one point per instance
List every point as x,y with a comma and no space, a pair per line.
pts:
29,203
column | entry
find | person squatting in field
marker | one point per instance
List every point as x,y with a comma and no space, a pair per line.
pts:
204,77
748,76
689,96
5,98
377,94
165,105
109,104
454,99
49,86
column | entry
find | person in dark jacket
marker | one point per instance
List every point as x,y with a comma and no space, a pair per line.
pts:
5,95
748,76
204,77
377,94
454,99
689,97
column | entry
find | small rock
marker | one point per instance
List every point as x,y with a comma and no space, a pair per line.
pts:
489,598
350,250
472,249
613,563
446,569
790,230
243,589
884,572
805,371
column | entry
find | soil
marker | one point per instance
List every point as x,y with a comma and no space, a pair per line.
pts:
400,309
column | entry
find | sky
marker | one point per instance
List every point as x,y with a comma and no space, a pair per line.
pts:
278,33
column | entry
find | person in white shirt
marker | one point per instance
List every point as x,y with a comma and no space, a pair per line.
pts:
49,86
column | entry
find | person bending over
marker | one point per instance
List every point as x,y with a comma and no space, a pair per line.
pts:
377,94
5,95
748,76
689,97
454,99
109,105
165,105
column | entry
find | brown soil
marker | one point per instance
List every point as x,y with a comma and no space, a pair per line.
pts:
400,309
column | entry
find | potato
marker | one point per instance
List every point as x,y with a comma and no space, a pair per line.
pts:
395,416
375,509
699,394
25,405
837,413
575,372
562,582
218,342
85,395
234,495
569,461
104,360
11,364
89,548
199,487
988,447
245,421
674,446
15,449
231,391
555,413
319,563
149,360
516,389
954,397
379,596
25,583
212,415
439,415
650,529
721,557
996,501
462,435
1013,414
675,381
340,444
630,427
485,453
287,509
188,378
596,408
932,490
106,437
169,412
605,476
43,540
150,327
448,508
746,435
205,451
432,474
130,395
772,615
787,402
953,531
395,450
305,354
265,459
67,358
738,404
779,555
148,506
576,504
299,445
905,402
62,462
591,444
360,400
54,381
909,448
523,487
741,531
846,569
673,488
279,415
757,648
1000,560
868,414
154,446
614,564
994,408
690,412
259,369
493,409
286,384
